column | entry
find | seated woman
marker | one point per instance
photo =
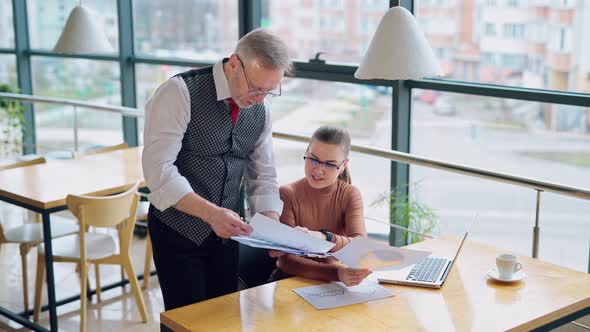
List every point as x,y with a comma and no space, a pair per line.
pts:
324,204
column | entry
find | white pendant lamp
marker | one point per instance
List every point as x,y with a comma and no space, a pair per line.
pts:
398,51
82,35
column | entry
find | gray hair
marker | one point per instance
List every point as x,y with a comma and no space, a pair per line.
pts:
270,49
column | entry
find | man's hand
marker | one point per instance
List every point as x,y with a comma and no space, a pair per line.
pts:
317,234
352,277
226,223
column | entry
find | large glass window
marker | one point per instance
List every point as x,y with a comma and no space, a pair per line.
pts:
8,70
535,44
365,111
198,30
543,141
92,81
340,29
47,19
6,24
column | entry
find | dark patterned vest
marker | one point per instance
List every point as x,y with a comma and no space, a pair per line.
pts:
213,153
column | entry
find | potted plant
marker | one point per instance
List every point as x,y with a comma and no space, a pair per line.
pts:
410,214
11,123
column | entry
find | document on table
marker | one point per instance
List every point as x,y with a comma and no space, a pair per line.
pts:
367,254
336,294
271,234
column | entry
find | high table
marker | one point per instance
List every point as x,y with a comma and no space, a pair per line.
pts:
43,188
549,296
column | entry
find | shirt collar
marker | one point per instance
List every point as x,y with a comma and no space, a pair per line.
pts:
221,86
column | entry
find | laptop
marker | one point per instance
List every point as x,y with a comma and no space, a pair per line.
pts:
429,272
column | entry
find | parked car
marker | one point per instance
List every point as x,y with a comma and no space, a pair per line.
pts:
443,106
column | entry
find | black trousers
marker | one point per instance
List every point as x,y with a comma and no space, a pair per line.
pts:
189,273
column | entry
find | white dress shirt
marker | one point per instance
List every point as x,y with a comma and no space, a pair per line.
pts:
167,115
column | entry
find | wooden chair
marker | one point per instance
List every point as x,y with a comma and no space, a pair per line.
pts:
141,217
30,235
68,214
96,248
36,161
79,154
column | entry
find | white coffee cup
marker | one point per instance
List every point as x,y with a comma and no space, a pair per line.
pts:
507,265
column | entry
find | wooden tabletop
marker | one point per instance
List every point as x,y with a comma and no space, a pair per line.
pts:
47,185
468,301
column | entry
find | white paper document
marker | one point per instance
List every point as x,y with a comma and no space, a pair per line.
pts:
367,254
271,234
336,294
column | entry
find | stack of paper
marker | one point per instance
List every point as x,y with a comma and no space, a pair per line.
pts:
271,234
362,253
336,294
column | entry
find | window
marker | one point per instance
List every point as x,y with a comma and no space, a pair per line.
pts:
8,70
481,132
364,110
47,18
6,24
514,61
560,39
196,30
490,27
513,31
93,81
512,3
488,59
304,28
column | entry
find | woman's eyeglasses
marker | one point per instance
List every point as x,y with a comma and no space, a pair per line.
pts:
316,162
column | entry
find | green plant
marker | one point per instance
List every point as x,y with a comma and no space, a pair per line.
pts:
12,122
409,214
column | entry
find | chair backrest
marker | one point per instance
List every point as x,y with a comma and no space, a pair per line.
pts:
104,211
79,154
35,161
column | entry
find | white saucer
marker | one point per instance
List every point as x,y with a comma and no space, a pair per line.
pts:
517,276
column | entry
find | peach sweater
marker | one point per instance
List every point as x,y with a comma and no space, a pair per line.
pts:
337,209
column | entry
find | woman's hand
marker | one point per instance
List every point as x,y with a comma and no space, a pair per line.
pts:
352,277
319,235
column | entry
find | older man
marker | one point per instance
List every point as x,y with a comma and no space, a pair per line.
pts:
205,129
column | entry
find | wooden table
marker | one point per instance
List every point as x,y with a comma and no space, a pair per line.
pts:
549,296
43,188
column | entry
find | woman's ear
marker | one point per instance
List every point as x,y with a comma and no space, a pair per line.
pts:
343,167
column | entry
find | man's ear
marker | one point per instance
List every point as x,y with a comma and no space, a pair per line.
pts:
233,61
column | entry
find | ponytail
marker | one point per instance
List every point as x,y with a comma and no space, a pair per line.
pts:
345,176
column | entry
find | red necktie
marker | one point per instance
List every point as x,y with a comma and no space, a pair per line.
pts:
235,110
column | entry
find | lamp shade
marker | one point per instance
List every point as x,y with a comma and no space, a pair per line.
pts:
398,50
82,35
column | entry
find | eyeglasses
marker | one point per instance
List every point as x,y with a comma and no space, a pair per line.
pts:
329,166
276,92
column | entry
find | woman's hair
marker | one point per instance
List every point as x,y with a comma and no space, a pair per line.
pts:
337,136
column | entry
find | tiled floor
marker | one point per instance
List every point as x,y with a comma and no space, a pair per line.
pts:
116,312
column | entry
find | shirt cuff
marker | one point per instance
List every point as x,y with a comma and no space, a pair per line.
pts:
170,193
264,203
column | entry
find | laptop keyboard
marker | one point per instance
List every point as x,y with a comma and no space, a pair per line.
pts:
427,269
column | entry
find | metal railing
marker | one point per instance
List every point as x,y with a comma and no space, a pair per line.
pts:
531,183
